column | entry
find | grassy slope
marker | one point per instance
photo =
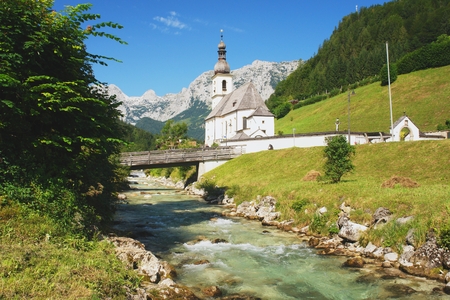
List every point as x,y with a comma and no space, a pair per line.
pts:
279,173
38,262
424,95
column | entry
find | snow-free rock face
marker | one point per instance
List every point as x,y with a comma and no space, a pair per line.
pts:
264,75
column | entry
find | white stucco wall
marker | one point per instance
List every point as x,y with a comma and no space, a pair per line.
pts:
301,141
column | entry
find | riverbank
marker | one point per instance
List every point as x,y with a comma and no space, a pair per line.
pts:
383,261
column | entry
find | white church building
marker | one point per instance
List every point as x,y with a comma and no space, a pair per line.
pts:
235,115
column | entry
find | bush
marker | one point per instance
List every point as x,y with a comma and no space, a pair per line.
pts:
384,74
432,55
298,205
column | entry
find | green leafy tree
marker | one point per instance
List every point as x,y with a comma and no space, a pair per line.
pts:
338,154
58,126
173,135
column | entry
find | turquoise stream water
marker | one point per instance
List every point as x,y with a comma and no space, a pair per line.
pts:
249,259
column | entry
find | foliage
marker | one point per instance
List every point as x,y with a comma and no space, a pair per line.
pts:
392,74
282,110
232,190
433,55
209,186
333,229
318,223
172,136
58,125
444,238
444,127
39,261
338,155
298,205
355,52
137,139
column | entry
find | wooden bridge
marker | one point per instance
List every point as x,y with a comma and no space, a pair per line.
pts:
178,157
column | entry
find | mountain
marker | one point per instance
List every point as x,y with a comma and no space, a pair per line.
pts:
193,104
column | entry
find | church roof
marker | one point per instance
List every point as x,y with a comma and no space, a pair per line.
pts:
240,135
245,97
262,112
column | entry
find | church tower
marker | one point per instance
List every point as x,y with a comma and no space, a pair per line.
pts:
222,82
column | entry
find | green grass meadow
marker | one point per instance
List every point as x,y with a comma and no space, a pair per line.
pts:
280,173
423,95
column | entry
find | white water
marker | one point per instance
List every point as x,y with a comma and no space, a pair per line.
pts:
252,260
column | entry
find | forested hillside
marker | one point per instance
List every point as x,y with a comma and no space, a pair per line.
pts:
356,51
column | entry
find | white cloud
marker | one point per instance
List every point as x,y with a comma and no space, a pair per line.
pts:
171,21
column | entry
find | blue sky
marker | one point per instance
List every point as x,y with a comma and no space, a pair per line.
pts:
171,42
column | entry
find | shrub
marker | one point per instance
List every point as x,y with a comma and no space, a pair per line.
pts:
384,74
232,190
298,205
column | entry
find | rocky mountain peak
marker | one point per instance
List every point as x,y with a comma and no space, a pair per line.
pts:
264,75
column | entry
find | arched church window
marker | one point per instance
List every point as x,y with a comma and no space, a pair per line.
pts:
224,85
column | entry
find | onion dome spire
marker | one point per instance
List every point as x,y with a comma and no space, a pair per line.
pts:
222,64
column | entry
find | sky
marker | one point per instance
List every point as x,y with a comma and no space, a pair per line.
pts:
172,42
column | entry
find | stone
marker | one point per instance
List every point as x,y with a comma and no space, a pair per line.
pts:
392,256
370,248
218,240
354,262
381,216
201,262
322,210
447,277
447,288
350,231
345,209
400,290
166,283
410,237
134,255
404,220
212,291
386,264
313,242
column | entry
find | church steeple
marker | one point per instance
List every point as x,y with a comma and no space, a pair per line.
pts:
222,79
222,65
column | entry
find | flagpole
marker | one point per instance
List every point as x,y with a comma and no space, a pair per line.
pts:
390,97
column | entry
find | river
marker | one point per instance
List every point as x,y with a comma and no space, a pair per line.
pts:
243,257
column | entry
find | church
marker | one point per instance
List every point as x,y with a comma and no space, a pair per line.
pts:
236,114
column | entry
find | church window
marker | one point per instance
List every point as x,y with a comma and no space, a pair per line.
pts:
244,122
224,85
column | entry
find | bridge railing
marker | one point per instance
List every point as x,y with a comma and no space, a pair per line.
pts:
174,156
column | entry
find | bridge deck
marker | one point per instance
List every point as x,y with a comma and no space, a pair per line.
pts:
178,157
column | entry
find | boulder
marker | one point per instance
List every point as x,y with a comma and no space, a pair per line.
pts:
381,215
350,231
427,258
354,262
134,255
410,237
212,291
447,288
391,257
370,248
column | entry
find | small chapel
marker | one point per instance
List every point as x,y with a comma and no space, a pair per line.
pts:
236,114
